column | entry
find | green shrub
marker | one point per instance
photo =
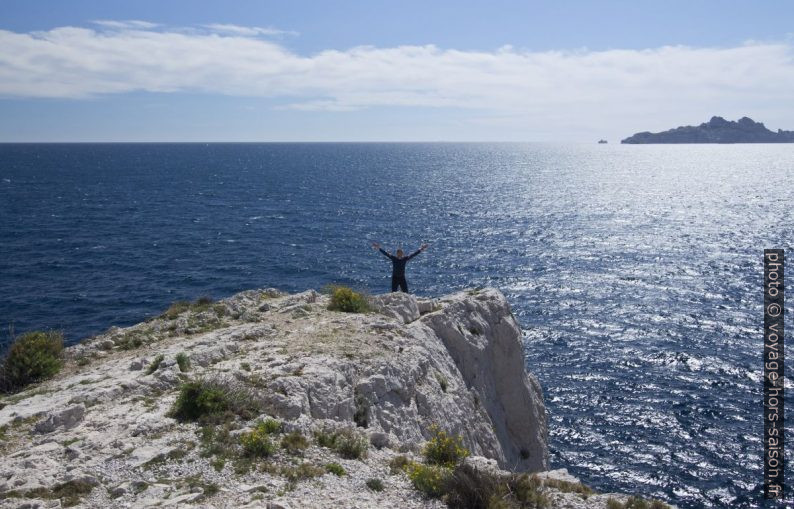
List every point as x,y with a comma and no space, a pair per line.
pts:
155,364
430,480
526,489
442,381
361,416
270,426
335,468
569,487
375,484
132,339
183,361
398,464
71,492
444,449
180,306
213,400
257,443
294,443
346,442
613,504
218,464
346,300
303,471
468,487
351,445
32,357
175,309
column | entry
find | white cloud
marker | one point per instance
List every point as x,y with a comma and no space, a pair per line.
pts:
125,24
247,31
548,86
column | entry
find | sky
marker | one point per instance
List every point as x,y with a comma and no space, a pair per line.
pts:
563,71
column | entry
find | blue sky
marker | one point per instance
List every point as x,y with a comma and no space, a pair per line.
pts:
372,70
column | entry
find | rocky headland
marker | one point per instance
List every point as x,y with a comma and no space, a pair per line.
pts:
272,400
716,130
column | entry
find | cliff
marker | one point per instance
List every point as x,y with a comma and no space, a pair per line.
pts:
103,432
716,130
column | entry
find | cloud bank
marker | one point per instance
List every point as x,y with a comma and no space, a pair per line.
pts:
127,56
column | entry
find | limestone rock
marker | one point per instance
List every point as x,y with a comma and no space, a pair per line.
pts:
387,377
66,418
398,305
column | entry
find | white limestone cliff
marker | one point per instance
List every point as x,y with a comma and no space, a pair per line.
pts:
456,361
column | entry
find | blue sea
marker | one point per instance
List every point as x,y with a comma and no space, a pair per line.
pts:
635,271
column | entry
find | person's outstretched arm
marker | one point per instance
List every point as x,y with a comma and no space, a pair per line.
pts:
424,246
375,245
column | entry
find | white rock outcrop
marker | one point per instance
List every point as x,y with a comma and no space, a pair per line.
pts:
389,375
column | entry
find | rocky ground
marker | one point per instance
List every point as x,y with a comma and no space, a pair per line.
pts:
100,433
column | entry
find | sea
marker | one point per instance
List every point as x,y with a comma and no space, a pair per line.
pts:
635,271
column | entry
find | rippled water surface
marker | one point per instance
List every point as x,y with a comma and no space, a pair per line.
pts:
634,270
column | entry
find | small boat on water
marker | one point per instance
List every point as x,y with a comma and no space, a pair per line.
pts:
602,141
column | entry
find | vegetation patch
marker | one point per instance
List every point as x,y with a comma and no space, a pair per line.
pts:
335,468
444,449
32,357
430,480
131,340
160,459
257,443
442,381
213,400
180,306
346,442
398,464
303,471
155,364
183,361
636,503
347,300
361,416
375,484
294,443
271,426
69,493
569,487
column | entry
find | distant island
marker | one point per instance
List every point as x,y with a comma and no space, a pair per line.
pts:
716,130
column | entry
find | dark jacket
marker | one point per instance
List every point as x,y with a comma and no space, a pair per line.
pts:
398,264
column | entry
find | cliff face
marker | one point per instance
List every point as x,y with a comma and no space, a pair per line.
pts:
102,423
716,130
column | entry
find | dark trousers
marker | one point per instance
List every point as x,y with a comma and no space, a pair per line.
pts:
399,281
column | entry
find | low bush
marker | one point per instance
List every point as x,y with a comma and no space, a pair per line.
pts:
526,489
444,449
335,468
183,361
32,357
294,443
155,364
270,426
398,464
180,306
569,487
430,480
346,442
375,484
346,300
303,471
256,443
213,400
468,487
